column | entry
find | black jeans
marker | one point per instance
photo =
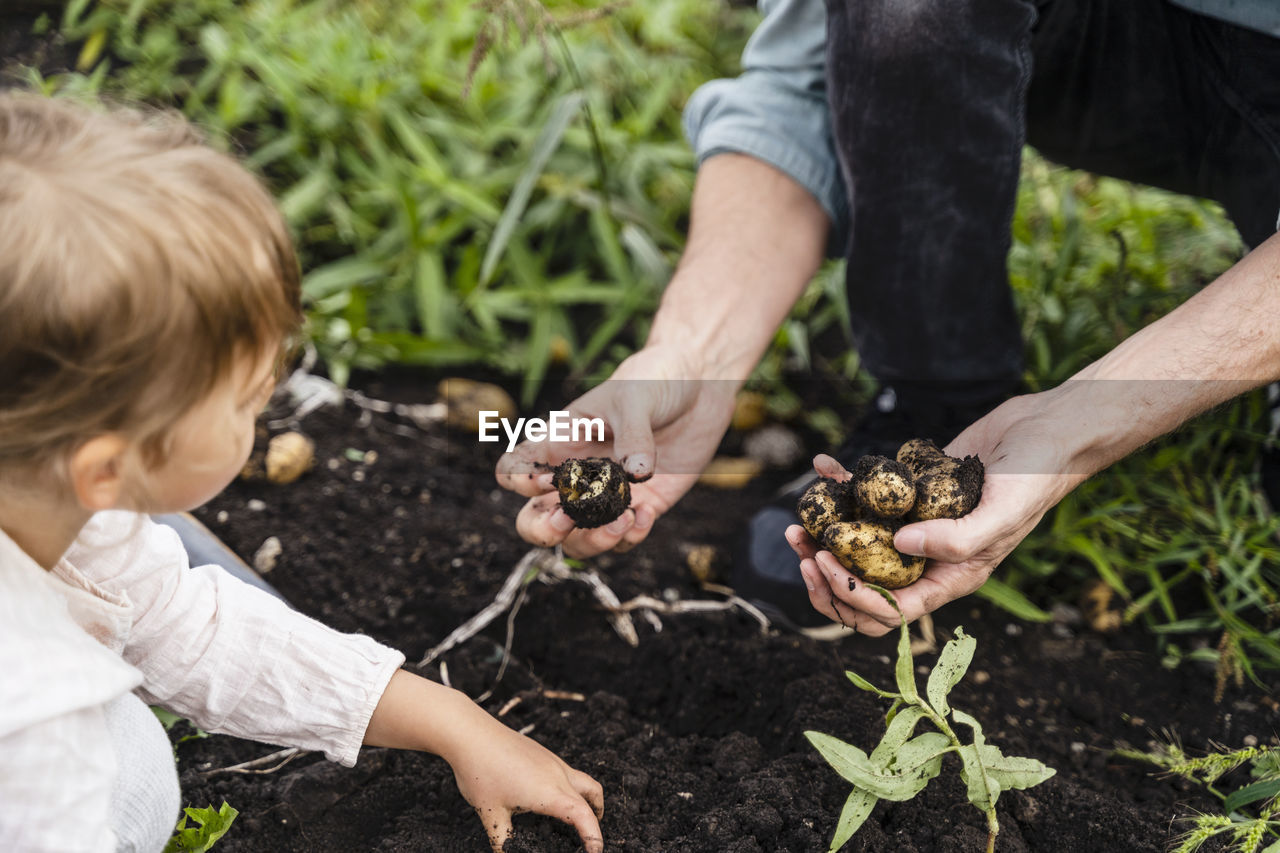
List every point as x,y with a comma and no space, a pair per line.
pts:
931,102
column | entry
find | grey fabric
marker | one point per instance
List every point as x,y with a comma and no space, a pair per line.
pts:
147,797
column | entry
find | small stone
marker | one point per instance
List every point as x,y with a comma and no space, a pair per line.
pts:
980,676
370,457
774,446
1249,740
357,476
333,464
222,516
1013,629
1077,747
255,505
264,559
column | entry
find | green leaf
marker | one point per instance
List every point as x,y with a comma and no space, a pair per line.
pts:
1013,601
862,684
545,145
983,791
1251,794
852,816
339,276
898,785
952,664
212,824
1010,772
900,729
904,670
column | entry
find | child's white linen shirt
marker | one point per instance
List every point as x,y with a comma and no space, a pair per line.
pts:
122,611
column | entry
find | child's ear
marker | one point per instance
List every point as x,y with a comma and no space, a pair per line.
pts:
97,471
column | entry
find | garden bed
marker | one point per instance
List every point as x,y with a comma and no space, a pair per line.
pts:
697,732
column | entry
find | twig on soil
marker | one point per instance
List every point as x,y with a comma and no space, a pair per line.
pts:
281,758
518,578
444,674
310,392
511,703
506,647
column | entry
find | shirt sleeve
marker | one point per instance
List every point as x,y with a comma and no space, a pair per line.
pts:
56,781
776,110
230,657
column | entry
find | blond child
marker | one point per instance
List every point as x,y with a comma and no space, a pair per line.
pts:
147,288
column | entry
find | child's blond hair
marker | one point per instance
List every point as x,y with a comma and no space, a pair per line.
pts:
136,265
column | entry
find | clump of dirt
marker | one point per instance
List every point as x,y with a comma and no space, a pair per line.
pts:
697,732
593,492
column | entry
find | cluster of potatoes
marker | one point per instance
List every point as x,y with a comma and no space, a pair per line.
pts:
856,520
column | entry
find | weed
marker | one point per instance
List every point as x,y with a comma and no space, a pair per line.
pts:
1250,813
903,762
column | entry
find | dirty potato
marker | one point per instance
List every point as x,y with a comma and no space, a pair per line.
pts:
824,503
593,492
950,488
866,549
884,486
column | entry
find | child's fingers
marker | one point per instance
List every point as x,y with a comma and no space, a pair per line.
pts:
497,824
589,788
575,812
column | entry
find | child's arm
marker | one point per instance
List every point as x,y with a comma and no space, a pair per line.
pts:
498,771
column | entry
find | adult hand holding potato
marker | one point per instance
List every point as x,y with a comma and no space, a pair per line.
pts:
1023,480
662,425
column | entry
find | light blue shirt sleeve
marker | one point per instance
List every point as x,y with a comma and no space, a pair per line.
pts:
776,110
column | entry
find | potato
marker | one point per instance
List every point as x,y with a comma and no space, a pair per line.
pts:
825,503
866,549
919,454
949,489
289,456
885,487
593,492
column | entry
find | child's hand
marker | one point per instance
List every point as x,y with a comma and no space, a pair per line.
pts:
500,772
508,773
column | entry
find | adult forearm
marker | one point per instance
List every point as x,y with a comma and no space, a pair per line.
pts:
756,238
1223,341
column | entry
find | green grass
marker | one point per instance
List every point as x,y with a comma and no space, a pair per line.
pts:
507,207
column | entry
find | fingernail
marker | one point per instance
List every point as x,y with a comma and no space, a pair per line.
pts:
640,465
622,524
644,518
560,521
910,542
544,481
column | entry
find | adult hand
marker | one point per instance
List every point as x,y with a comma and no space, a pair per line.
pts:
663,425
1028,470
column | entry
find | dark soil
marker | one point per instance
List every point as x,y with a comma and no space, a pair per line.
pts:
697,734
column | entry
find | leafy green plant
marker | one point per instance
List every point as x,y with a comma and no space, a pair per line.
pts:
1250,812
210,825
901,765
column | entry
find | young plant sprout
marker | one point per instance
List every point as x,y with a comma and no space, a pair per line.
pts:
903,762
856,520
593,492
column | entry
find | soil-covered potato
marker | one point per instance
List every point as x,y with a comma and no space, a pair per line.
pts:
856,520
946,487
885,487
866,549
824,503
593,492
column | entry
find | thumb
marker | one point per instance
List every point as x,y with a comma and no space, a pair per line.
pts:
633,438
947,540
